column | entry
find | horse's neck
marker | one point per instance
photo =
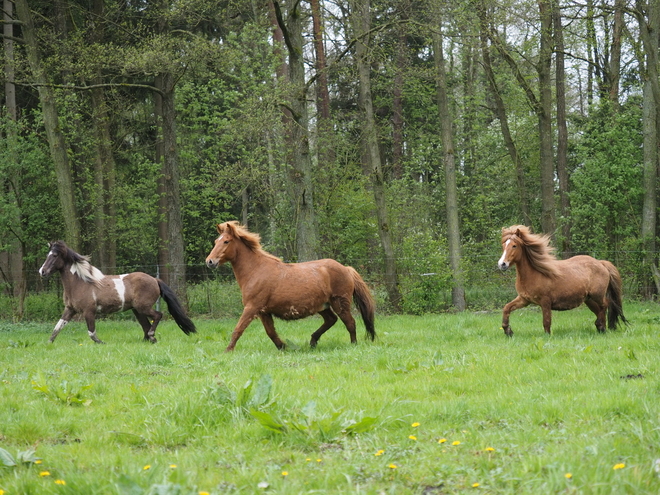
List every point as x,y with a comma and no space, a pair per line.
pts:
245,263
523,267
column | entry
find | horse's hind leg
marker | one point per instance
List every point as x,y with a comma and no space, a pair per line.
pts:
329,319
599,310
66,317
148,328
342,306
269,325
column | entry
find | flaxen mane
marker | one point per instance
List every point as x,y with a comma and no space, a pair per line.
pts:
250,239
80,264
536,248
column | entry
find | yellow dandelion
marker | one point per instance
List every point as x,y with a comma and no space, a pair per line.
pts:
490,449
456,442
380,452
147,467
568,476
442,440
2,492
285,473
412,437
621,465
318,460
44,473
60,482
38,461
204,493
307,460
415,425
172,466
392,466
475,485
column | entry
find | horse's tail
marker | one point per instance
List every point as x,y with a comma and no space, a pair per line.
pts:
364,301
175,309
614,297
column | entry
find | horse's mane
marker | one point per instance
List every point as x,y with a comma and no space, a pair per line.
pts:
250,239
536,247
80,264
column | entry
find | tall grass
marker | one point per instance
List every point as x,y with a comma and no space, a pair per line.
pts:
458,408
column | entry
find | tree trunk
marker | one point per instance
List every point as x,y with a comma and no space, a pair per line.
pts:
500,112
361,26
175,245
545,121
615,57
451,189
163,245
401,62
562,132
16,249
58,147
651,110
301,163
104,164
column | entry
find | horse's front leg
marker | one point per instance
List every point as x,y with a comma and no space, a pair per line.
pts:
90,318
269,325
66,317
517,303
246,318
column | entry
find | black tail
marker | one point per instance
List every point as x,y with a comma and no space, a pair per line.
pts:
175,309
364,301
615,297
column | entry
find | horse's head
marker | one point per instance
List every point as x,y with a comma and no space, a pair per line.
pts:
56,258
512,247
225,245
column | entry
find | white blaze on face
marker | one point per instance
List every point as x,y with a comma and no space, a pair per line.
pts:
502,263
41,270
121,289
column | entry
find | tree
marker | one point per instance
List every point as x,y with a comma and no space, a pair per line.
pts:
361,18
447,134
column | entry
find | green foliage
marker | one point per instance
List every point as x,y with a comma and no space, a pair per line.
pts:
26,457
69,393
248,398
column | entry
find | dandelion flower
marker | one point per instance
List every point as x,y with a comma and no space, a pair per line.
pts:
415,425
60,482
147,467
172,466
380,452
456,442
490,449
475,485
392,466
318,460
38,461
44,473
621,465
285,473
412,437
2,492
442,440
568,476
307,460
204,493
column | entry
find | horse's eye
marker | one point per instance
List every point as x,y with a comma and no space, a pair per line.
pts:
226,242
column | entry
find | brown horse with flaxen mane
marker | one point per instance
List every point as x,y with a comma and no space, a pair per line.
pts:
289,291
544,280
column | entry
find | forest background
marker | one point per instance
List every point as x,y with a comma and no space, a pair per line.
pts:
395,136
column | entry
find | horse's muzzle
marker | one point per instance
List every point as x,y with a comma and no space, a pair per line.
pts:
503,266
211,263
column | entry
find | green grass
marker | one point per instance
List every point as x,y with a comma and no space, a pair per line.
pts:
574,402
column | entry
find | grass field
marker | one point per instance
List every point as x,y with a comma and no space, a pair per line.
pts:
439,404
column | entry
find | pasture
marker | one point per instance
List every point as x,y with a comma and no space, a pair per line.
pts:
438,404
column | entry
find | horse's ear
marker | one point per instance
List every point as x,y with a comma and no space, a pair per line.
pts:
219,228
518,233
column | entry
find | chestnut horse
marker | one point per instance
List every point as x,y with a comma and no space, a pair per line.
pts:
544,280
289,291
89,292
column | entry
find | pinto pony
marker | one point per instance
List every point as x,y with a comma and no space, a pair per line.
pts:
270,287
544,280
88,292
